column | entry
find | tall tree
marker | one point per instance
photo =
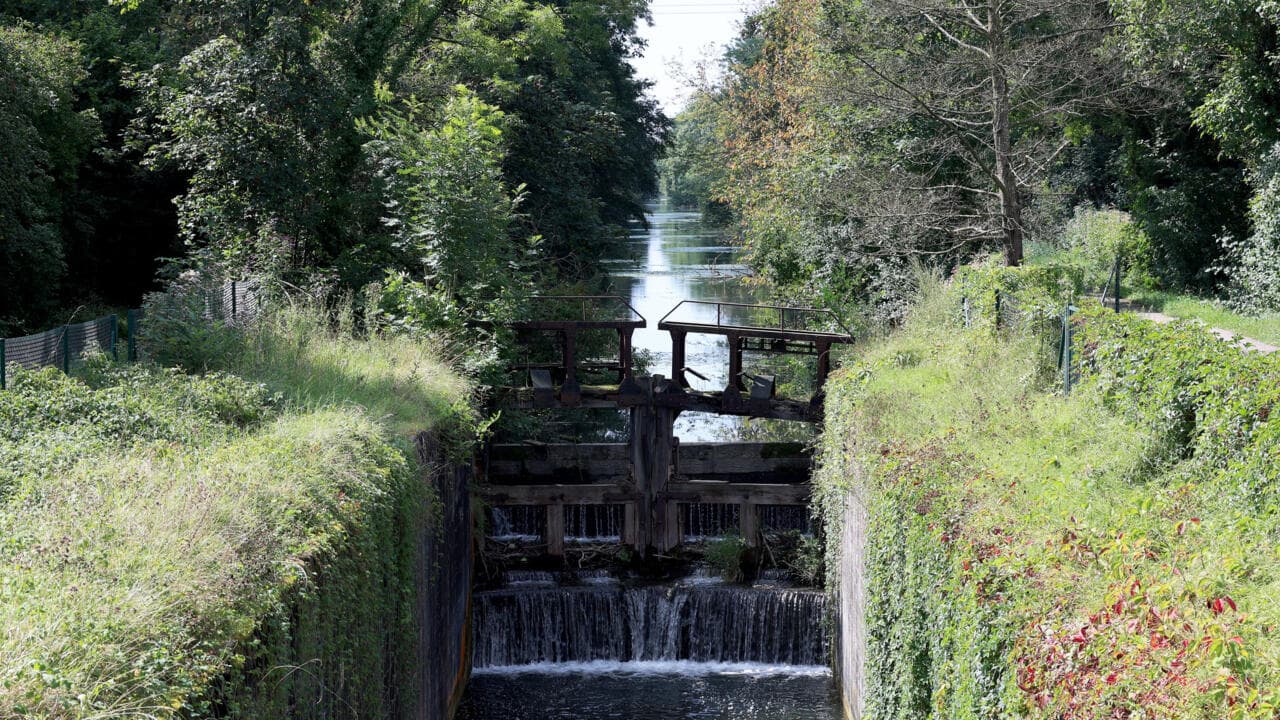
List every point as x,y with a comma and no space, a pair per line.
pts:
974,95
43,139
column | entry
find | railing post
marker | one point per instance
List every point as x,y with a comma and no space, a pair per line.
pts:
1117,286
3,367
997,292
131,323
115,332
66,349
233,302
1066,350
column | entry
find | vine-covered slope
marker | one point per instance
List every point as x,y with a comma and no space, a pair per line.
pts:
1106,554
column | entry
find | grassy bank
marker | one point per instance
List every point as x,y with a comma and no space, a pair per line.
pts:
1212,313
237,543
1110,554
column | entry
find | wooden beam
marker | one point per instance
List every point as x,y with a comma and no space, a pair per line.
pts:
749,523
565,494
555,529
757,493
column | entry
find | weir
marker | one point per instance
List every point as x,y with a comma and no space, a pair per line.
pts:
593,600
599,619
654,493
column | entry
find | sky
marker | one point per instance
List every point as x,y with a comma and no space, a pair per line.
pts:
685,32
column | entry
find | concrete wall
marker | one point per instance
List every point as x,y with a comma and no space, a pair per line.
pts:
850,605
444,577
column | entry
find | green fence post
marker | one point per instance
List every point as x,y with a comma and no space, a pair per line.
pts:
131,320
233,302
115,332
997,292
1117,286
66,349
3,371
1066,350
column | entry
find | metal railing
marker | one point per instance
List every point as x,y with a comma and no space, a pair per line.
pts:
589,308
827,318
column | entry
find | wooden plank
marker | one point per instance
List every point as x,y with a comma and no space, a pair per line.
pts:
630,529
555,529
749,523
593,494
758,493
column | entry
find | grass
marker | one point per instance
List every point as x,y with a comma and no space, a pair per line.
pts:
1212,313
315,363
1024,552
165,539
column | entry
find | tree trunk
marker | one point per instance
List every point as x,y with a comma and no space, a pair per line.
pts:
1006,181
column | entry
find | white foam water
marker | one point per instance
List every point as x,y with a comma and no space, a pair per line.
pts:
656,667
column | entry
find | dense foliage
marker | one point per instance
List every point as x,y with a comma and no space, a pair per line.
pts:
1022,559
849,138
184,545
329,142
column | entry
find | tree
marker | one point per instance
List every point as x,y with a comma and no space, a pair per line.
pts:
43,139
1223,60
963,105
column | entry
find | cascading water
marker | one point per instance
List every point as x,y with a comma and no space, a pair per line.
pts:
696,622
784,518
704,521
517,523
593,523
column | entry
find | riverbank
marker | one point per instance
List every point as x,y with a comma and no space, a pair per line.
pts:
246,542
1008,551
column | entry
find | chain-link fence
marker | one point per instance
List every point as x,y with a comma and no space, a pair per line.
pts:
233,303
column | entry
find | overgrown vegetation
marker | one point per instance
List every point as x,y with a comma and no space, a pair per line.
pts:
849,138
241,542
453,152
1105,554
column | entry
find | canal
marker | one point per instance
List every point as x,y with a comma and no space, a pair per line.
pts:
552,647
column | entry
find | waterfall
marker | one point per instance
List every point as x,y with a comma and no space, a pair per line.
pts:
698,622
702,521
593,523
524,523
782,518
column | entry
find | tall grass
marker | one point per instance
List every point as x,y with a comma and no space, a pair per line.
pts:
159,527
312,356
1025,554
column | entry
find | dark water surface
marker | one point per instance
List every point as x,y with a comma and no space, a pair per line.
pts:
647,694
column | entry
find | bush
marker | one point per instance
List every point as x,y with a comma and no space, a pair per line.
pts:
1093,239
1253,266
184,327
220,545
725,556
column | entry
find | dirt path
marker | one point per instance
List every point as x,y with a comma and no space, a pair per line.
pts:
1245,343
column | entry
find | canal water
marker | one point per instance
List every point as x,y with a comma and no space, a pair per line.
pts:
547,649
679,257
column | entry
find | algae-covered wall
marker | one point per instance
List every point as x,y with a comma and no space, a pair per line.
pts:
444,577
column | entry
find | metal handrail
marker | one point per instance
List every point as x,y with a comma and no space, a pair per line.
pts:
782,315
585,298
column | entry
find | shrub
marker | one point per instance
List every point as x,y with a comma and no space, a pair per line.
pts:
183,326
725,556
1093,239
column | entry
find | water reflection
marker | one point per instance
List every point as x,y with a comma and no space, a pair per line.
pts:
680,257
